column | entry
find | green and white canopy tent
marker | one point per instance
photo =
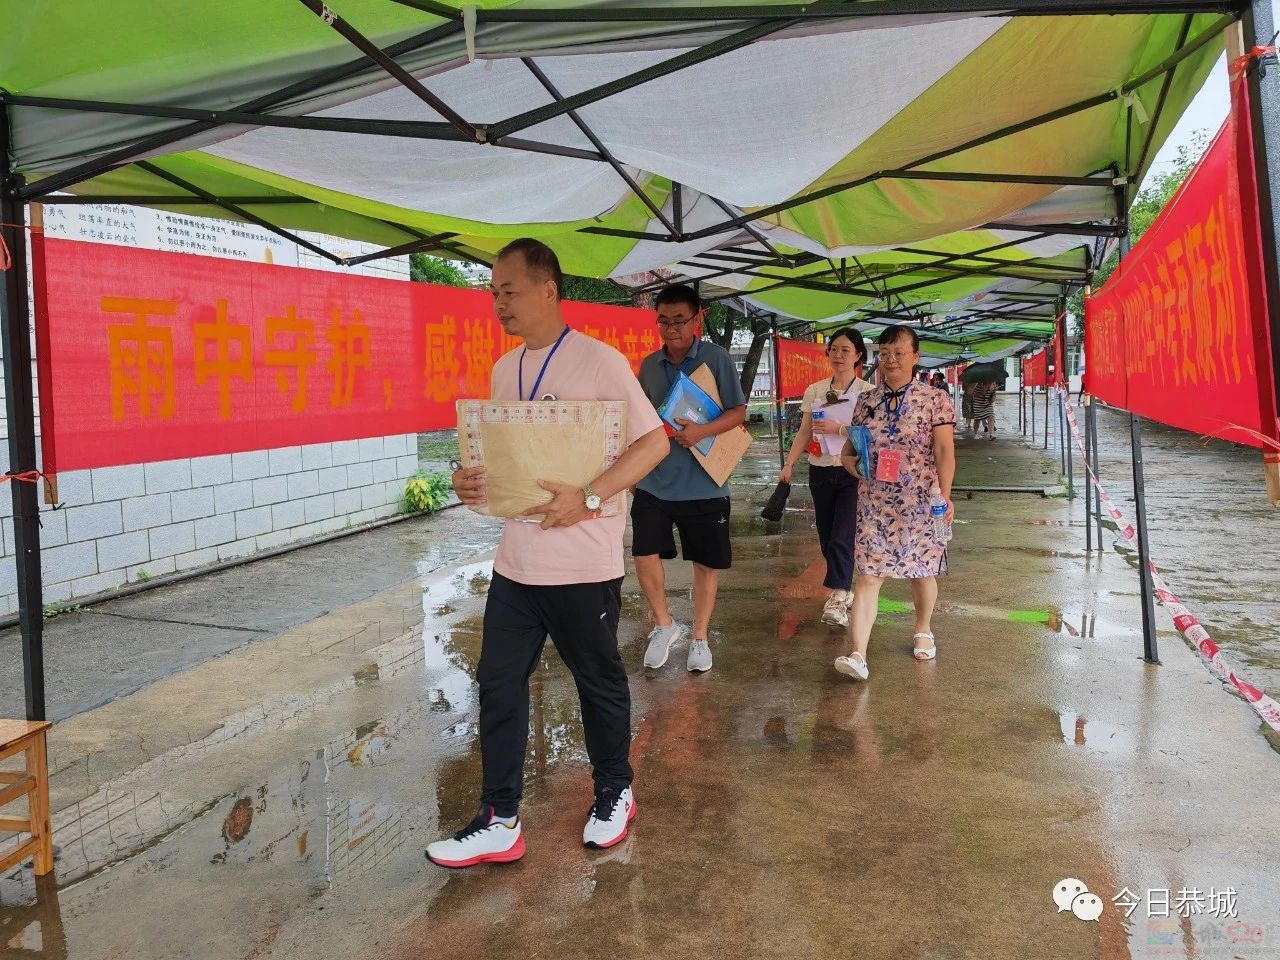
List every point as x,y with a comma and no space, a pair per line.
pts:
825,161
959,161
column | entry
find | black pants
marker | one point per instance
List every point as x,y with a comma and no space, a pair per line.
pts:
835,508
582,621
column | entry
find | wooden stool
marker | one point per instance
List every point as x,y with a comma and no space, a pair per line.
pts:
23,736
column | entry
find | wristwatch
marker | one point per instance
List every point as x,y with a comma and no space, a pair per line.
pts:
592,498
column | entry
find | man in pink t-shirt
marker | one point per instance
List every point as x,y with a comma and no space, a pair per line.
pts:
560,578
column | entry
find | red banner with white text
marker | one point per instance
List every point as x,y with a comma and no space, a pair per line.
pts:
1059,374
799,364
1179,332
1035,369
148,356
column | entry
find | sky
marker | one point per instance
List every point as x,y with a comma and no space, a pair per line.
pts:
1207,110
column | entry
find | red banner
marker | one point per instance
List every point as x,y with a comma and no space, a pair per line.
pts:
1179,332
148,356
800,364
1035,369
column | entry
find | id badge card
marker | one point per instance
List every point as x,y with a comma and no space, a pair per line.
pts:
889,466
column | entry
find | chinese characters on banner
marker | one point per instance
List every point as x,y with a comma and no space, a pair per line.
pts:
1035,369
800,364
147,356
1178,334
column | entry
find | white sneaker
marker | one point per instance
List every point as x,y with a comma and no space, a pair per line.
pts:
836,611
483,840
660,642
854,665
699,657
609,818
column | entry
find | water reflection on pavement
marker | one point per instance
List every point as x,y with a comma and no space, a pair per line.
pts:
276,801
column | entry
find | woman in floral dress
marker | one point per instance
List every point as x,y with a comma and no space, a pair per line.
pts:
895,533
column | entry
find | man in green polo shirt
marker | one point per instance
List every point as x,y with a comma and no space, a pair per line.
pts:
679,493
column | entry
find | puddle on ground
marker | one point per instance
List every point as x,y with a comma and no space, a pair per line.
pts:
1093,735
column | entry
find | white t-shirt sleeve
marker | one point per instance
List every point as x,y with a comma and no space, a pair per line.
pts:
810,397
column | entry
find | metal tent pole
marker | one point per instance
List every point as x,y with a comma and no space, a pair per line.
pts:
1088,491
1059,412
1150,651
1046,412
15,333
777,393
1264,98
1091,438
1066,446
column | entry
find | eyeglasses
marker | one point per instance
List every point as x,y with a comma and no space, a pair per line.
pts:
676,324
894,354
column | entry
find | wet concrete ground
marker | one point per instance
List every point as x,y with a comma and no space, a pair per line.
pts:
272,797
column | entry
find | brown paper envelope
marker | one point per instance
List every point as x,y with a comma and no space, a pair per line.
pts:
728,449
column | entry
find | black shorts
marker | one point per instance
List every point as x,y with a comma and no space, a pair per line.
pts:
703,526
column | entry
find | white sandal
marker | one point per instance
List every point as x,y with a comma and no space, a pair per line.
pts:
850,667
923,654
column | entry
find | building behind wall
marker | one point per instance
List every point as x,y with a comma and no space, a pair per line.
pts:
123,524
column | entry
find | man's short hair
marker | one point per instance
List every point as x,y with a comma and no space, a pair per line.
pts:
539,259
679,293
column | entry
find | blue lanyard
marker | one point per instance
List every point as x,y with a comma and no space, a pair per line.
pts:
897,411
537,383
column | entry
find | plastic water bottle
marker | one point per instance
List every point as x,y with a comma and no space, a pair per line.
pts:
815,444
938,510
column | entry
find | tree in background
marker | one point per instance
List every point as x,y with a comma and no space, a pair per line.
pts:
445,273
592,290
720,323
1151,199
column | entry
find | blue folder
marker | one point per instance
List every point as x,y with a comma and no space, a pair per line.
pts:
688,401
860,441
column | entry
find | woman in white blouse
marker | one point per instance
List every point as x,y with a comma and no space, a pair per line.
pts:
835,492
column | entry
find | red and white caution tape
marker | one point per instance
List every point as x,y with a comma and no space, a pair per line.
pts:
1191,628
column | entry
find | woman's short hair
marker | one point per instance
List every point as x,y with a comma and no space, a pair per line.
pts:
892,333
854,336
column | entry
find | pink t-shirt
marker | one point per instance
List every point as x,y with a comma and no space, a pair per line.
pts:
590,551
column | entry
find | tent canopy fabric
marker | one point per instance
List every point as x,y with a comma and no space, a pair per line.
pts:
867,159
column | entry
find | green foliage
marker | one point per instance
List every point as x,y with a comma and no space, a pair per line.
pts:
719,323
52,610
1151,199
426,492
142,576
592,290
439,445
445,273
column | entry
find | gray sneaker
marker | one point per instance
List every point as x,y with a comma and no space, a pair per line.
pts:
660,641
699,656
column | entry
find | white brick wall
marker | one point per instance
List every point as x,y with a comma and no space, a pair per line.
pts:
122,524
